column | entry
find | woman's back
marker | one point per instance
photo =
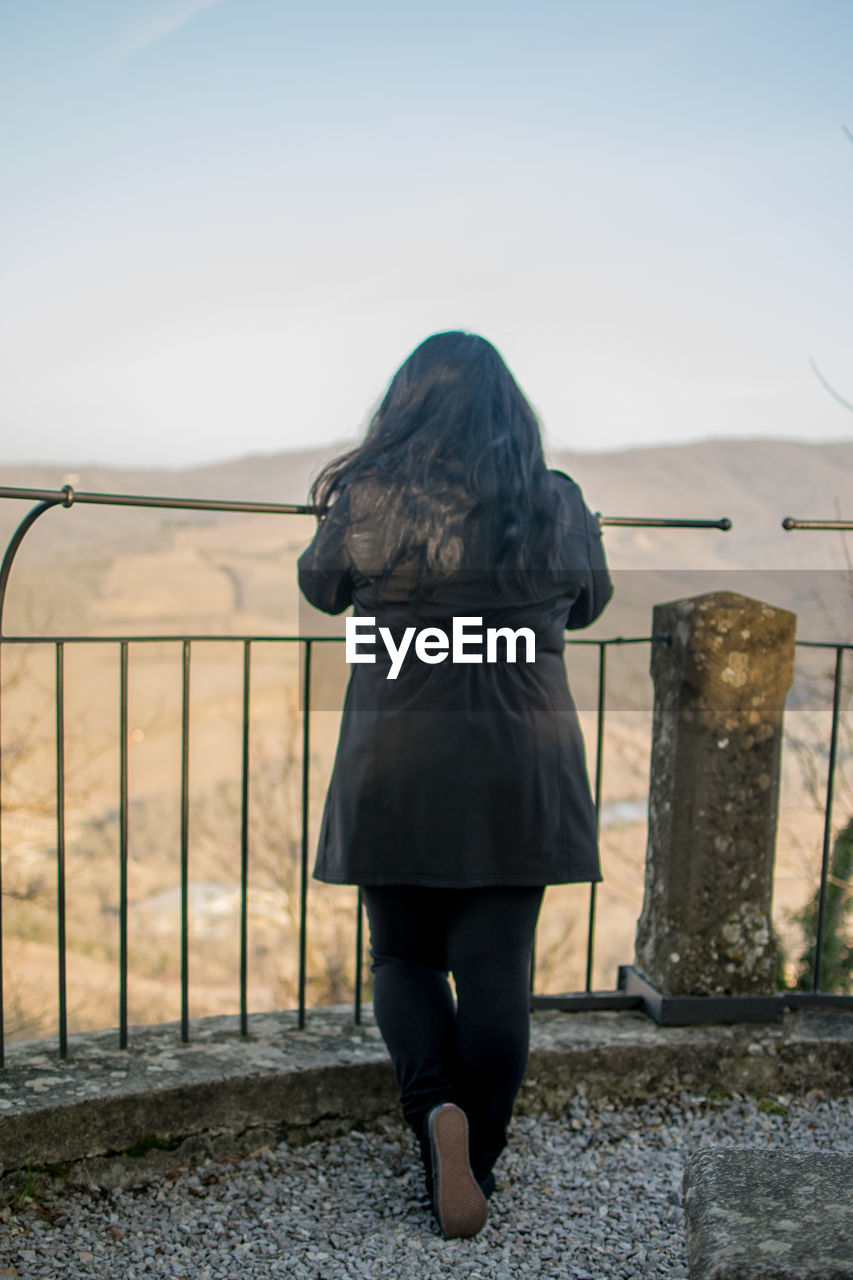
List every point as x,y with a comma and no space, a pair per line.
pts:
458,726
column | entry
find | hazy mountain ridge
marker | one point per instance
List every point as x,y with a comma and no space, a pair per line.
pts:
739,474
756,483
754,468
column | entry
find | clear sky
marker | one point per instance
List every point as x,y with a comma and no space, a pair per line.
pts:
226,222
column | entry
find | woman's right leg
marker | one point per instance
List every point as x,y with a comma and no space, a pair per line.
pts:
489,945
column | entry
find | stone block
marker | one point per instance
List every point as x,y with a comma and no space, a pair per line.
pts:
720,689
769,1215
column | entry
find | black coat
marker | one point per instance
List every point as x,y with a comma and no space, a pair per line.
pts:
460,774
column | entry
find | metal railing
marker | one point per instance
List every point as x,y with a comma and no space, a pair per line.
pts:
188,646
47,499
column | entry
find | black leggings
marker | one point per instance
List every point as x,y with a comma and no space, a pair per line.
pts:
473,1053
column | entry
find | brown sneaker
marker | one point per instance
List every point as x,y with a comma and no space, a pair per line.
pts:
459,1203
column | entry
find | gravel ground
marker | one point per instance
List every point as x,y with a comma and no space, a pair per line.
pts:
593,1195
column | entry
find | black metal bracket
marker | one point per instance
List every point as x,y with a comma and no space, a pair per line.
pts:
65,499
635,992
688,1011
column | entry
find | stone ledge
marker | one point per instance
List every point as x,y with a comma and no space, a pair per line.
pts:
769,1215
223,1094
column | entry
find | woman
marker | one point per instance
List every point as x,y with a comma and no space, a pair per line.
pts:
460,787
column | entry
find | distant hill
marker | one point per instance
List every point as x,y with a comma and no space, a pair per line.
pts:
754,482
280,477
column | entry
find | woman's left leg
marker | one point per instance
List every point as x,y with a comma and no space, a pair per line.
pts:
412,1000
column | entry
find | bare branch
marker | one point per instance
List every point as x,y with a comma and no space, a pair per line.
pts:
828,385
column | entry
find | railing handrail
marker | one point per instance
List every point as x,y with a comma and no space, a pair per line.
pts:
237,637
68,496
790,524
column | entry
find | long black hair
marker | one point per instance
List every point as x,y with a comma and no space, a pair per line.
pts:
453,423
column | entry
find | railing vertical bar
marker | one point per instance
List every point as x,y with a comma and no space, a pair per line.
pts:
123,845
599,767
185,844
827,820
303,871
359,946
60,847
244,846
2,1015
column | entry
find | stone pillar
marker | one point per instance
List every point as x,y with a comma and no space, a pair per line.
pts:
720,689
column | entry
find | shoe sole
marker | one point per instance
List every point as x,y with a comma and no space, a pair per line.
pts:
459,1203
